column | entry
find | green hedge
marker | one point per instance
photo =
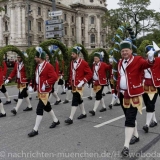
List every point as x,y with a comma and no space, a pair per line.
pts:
63,49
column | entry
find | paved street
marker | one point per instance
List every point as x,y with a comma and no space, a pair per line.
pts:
87,139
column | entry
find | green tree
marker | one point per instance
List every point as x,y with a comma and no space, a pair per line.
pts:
143,19
135,12
154,36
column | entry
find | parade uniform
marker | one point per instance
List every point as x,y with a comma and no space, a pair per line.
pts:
2,111
60,74
99,81
80,73
151,83
45,77
115,100
130,88
3,88
22,83
53,92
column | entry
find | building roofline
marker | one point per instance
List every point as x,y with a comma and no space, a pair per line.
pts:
87,6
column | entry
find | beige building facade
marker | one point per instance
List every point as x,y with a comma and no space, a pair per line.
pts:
81,19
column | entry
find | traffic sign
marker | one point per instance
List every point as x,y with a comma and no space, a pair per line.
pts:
55,27
48,22
55,13
54,34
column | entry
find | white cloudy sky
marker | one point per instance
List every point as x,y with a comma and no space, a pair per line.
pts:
155,4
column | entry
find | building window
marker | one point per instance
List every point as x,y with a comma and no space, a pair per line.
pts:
92,20
65,17
30,25
82,32
102,38
29,7
65,30
6,26
92,46
30,40
82,20
48,13
39,26
92,38
72,18
72,31
5,8
39,11
83,43
6,40
91,0
100,2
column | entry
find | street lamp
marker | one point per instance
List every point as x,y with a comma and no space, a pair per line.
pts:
54,5
28,12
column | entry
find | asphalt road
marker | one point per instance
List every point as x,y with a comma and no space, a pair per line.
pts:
87,139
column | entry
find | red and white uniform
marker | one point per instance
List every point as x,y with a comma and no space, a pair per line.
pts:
4,69
130,78
79,71
1,76
99,73
19,72
152,74
45,74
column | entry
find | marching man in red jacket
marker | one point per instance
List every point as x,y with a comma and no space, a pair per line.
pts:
80,73
130,87
99,81
2,111
3,89
151,83
21,79
45,77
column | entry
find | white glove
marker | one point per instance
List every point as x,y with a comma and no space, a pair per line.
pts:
151,55
43,87
6,81
88,85
61,77
80,84
30,89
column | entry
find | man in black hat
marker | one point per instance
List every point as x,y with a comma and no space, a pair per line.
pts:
22,82
80,73
45,77
99,81
130,87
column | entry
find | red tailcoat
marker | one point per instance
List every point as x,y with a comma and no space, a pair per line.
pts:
57,68
47,76
133,72
155,72
1,76
101,73
23,78
4,69
82,72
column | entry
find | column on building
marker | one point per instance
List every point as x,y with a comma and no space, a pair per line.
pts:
1,31
35,26
98,22
86,31
12,24
23,26
78,29
19,29
70,31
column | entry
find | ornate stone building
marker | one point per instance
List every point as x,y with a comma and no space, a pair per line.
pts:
82,22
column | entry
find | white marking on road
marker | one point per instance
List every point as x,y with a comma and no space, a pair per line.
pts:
17,95
112,120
